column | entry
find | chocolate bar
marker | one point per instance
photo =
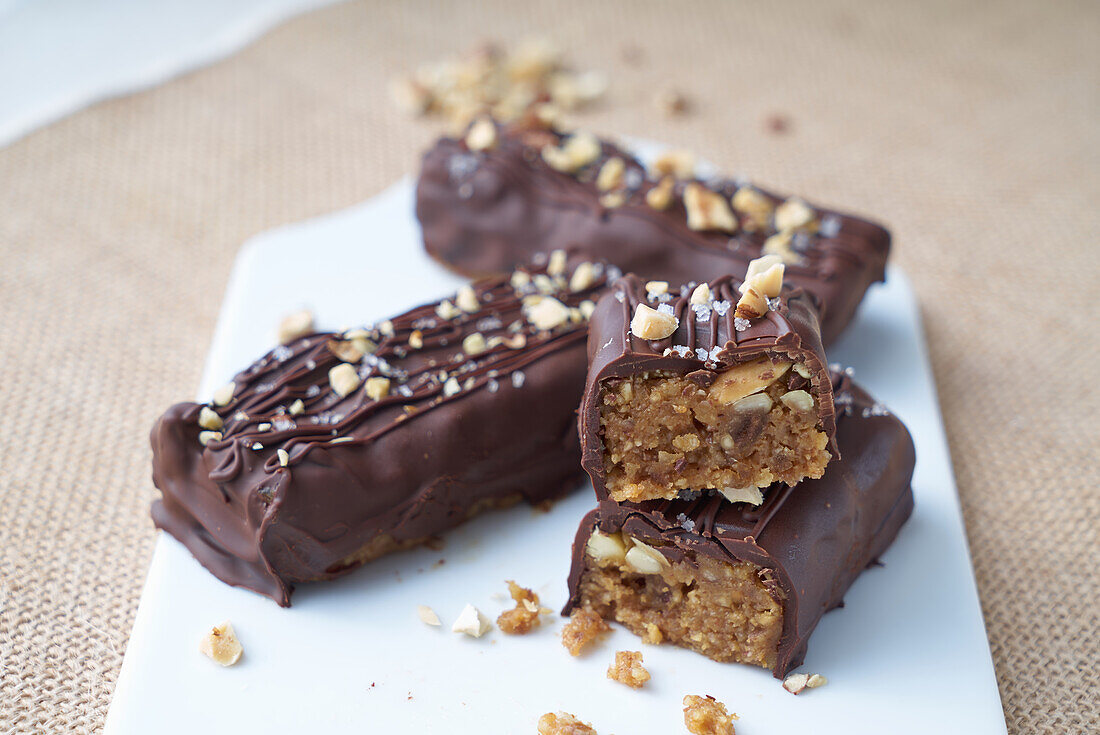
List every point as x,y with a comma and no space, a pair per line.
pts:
720,386
494,198
339,447
749,584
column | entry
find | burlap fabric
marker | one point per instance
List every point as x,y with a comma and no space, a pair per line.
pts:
971,128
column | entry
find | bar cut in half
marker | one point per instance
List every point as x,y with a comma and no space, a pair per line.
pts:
747,584
721,387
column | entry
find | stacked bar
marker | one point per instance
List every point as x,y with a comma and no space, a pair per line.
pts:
337,448
503,193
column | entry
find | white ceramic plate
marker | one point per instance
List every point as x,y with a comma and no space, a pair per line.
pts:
906,654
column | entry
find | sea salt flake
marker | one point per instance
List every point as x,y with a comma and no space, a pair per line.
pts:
666,309
830,226
461,165
517,379
682,350
620,296
492,385
489,323
282,353
313,391
740,323
282,424
264,387
702,312
773,304
685,523
701,353
721,307
404,390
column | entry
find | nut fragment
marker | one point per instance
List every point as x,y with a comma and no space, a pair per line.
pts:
660,196
768,283
708,210
750,202
205,437
563,723
297,407
378,387
628,669
707,716
466,299
816,680
447,310
482,135
605,548
295,325
474,344
416,339
451,387
524,617
656,288
587,307
471,622
343,379
750,494
752,304
793,214
701,294
802,370
648,323
284,457
612,199
746,378
346,350
756,403
427,615
611,174
556,265
646,559
209,419
222,645
547,313
798,400
761,264
578,150
796,683
779,245
224,396
584,275
678,164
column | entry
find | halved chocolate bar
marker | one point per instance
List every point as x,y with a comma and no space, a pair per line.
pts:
336,448
722,386
749,584
504,193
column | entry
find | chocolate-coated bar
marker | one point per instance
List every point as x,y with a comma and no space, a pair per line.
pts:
492,199
336,448
749,584
708,388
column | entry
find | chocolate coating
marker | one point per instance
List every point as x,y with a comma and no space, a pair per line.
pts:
789,330
393,471
484,212
814,540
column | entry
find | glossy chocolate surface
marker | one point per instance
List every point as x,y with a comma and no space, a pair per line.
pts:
814,539
485,211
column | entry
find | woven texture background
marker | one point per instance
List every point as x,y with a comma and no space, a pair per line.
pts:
973,129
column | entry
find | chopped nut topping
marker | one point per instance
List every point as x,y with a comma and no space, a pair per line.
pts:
205,437
295,325
707,716
563,723
556,264
525,616
284,457
678,164
516,341
628,669
297,407
547,313
752,304
768,283
584,627
263,426
471,622
474,344
466,299
656,288
611,174
343,379
701,294
660,196
447,310
386,328
756,207
578,150
779,245
482,135
587,308
427,615
604,547
793,214
584,275
209,419
798,401
224,396
345,350
221,645
612,199
378,387
645,559
648,323
761,264
520,279
750,494
451,387
416,339
708,210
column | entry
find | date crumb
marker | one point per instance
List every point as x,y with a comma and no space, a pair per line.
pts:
563,723
583,628
707,716
524,617
628,669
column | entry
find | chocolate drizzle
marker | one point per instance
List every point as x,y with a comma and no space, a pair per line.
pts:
494,209
811,541
304,478
708,337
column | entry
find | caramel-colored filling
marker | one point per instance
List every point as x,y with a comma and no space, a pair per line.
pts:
666,434
720,609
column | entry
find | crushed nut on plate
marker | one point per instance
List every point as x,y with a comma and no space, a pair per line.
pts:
524,617
471,622
221,645
797,683
427,615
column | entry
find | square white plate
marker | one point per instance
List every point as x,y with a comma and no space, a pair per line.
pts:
906,654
